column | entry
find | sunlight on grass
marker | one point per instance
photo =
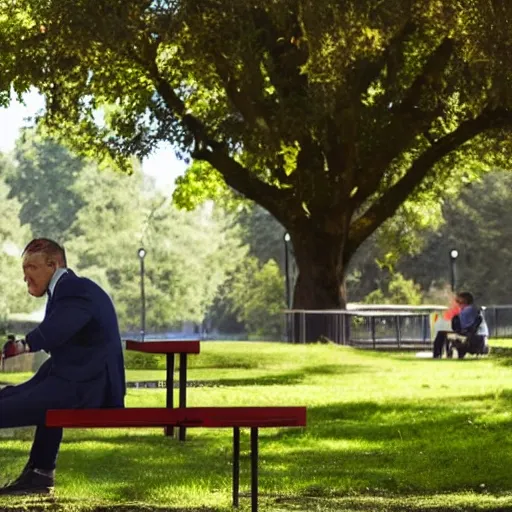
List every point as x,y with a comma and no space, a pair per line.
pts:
386,432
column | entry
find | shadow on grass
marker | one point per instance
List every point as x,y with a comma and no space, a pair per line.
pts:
266,380
55,504
502,355
381,504
346,448
275,504
360,449
285,378
338,369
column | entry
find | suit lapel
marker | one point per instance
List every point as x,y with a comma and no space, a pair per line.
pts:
49,301
48,305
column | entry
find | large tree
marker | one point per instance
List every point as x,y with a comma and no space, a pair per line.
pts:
330,115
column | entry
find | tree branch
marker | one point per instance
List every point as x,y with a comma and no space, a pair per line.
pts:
341,153
367,72
408,119
245,182
430,76
212,151
394,197
287,54
248,106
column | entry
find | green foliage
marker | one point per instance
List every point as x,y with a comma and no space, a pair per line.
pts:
404,291
263,237
257,297
104,217
139,361
14,297
330,115
478,224
375,297
42,181
263,234
201,183
398,290
189,254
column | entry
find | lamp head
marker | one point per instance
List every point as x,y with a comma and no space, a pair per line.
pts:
141,253
287,237
454,254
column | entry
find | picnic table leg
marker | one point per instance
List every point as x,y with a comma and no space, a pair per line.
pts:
183,390
254,469
236,466
169,381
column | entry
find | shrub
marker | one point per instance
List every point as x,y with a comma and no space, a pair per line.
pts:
142,361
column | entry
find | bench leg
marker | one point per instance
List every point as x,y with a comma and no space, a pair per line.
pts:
169,380
183,390
254,469
236,466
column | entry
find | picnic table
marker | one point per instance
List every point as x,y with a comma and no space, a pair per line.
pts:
170,348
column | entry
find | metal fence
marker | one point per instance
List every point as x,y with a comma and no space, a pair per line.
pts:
499,320
386,327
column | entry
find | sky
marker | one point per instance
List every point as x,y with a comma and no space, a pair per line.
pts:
162,164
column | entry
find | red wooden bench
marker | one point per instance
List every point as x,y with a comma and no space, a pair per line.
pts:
209,417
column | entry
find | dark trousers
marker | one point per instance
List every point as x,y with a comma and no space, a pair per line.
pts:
474,344
27,403
23,405
440,343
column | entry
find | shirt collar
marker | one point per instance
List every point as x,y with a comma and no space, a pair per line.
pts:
56,276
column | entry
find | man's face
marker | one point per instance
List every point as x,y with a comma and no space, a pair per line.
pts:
38,271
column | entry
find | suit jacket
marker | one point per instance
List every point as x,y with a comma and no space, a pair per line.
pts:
81,334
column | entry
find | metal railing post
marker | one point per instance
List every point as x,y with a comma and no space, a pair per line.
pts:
398,334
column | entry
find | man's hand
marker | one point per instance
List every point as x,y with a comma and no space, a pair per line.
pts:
14,348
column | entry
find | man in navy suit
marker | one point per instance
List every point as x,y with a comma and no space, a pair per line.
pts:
85,368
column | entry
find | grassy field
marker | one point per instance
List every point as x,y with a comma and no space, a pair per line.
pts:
386,432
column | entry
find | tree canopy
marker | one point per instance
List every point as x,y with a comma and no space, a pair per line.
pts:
330,115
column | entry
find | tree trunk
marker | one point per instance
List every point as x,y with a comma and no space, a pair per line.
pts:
320,284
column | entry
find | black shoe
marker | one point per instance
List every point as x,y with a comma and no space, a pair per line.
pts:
29,482
27,469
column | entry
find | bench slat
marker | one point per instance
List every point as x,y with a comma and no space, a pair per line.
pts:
164,347
187,417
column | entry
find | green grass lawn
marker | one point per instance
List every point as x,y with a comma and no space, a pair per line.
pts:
386,432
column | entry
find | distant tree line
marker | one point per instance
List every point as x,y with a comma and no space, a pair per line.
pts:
198,268
221,264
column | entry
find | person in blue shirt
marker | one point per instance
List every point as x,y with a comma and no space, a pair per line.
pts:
471,324
85,368
471,327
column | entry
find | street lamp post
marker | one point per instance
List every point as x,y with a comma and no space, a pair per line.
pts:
142,253
288,315
287,270
454,254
